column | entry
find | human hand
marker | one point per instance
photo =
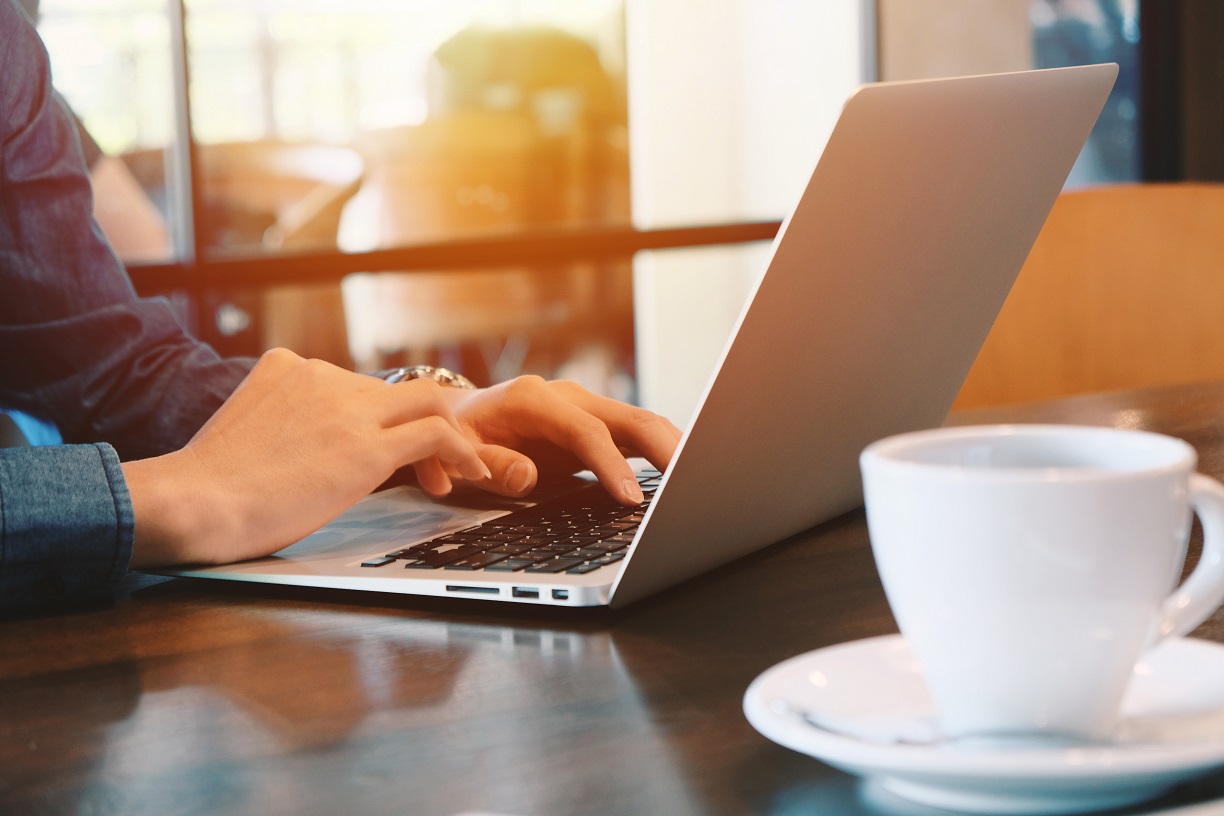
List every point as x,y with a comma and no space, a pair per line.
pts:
528,427
294,446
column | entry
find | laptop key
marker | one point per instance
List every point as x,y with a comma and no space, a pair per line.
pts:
583,569
420,565
544,555
510,549
475,562
417,550
589,553
555,565
504,536
602,548
452,538
542,539
510,565
378,562
433,560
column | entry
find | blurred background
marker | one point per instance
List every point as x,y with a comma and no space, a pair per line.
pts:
575,188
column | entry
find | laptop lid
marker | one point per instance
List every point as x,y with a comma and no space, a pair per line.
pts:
881,288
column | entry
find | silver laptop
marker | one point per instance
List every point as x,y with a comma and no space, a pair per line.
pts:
880,289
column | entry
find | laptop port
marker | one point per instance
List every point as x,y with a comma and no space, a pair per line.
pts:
560,594
524,592
479,590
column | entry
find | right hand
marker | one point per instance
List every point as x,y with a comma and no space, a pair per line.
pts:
296,444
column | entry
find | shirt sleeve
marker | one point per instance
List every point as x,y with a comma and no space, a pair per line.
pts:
65,525
117,374
77,346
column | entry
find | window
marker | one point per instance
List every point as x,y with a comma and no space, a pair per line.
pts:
324,127
1081,33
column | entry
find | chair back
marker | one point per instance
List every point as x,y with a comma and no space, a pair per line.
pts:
1124,288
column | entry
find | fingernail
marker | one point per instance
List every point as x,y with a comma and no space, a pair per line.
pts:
633,491
488,474
517,477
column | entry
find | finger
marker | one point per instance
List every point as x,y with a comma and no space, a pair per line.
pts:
432,477
568,426
411,442
635,430
514,474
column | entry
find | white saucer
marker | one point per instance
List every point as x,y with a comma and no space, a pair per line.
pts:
873,711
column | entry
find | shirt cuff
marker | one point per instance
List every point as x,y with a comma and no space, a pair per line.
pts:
66,525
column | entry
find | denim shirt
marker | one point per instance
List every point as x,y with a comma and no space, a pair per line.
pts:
115,373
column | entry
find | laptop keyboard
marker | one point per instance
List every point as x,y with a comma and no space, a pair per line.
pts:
575,533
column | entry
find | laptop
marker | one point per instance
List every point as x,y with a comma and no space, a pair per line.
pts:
880,289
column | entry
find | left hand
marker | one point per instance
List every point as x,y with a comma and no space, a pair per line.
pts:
528,427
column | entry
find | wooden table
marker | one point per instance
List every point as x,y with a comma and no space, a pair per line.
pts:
198,698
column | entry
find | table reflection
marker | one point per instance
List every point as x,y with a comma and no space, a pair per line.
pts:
296,710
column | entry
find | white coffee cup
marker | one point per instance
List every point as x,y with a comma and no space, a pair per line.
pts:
1030,567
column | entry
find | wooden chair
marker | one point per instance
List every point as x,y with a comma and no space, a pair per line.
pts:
1124,288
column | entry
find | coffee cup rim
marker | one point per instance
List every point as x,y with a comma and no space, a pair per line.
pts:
890,451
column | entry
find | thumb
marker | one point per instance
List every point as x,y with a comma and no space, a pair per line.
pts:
514,474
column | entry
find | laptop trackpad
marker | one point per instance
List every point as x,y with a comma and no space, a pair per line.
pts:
383,522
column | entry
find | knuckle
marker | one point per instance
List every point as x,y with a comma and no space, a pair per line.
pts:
309,369
649,422
565,389
278,357
317,366
526,384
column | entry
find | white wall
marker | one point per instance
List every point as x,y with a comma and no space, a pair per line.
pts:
730,103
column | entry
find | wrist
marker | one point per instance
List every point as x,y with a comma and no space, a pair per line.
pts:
168,511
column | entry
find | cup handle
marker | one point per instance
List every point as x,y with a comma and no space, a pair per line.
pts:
1202,593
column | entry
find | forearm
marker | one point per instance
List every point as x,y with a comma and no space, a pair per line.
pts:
66,525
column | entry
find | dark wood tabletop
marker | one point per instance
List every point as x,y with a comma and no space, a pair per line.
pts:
188,697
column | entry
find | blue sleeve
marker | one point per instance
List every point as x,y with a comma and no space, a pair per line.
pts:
65,525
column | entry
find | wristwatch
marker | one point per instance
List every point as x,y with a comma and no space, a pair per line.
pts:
442,376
